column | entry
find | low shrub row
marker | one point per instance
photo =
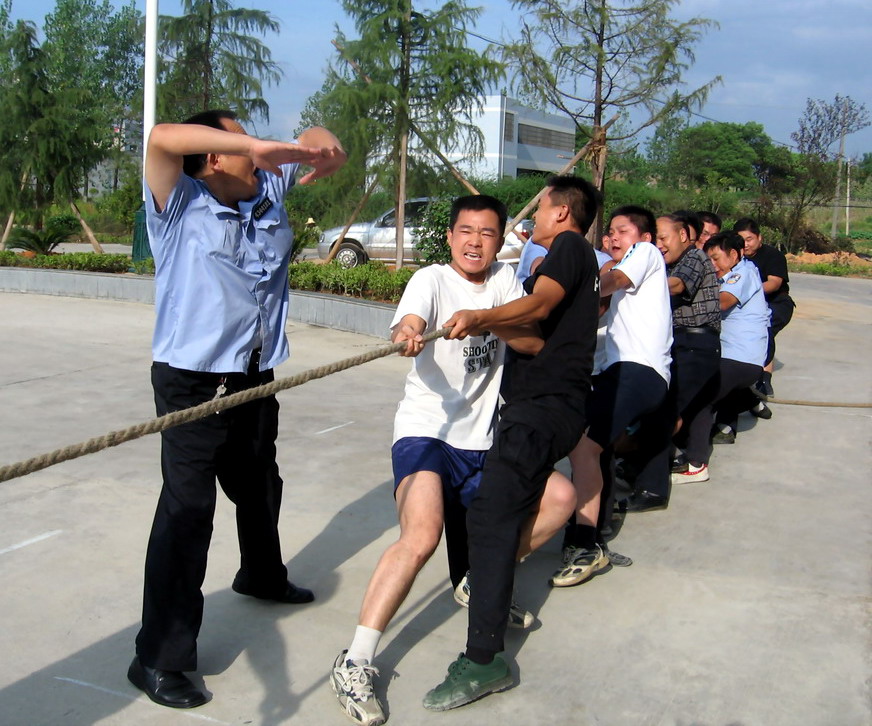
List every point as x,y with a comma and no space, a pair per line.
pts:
81,261
373,281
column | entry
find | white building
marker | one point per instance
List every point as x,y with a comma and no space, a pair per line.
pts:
519,140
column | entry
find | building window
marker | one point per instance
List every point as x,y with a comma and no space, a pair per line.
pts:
536,136
509,127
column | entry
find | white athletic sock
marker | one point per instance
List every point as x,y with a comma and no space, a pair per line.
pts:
364,645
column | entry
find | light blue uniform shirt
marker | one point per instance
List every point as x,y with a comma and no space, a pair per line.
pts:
744,327
221,276
530,252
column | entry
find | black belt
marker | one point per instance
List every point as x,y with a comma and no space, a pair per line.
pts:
704,329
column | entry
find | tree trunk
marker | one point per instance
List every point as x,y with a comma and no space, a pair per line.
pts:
351,220
88,233
7,230
599,152
403,128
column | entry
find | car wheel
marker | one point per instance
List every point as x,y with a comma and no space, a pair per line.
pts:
350,255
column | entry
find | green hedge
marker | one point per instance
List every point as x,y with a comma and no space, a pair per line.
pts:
373,280
83,261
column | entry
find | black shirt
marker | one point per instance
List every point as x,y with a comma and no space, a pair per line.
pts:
563,366
771,262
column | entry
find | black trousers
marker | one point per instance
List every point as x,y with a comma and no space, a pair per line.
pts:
734,395
696,359
781,309
236,447
531,438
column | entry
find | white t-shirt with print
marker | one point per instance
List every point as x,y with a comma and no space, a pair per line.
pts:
453,388
640,317
599,356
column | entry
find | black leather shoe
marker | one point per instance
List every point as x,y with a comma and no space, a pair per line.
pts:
167,688
291,595
645,501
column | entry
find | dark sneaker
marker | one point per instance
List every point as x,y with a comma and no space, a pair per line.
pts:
518,617
679,463
579,564
761,410
352,683
467,681
724,436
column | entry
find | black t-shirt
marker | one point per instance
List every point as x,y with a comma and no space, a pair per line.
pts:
563,366
770,261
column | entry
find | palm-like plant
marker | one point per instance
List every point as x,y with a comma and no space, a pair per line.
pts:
38,241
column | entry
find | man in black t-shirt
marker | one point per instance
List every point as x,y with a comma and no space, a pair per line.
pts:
541,423
772,265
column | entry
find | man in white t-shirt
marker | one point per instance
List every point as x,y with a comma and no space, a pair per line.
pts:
633,382
443,428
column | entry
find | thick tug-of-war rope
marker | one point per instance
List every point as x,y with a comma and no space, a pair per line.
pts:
176,418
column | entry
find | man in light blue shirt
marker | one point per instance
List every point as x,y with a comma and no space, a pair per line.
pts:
221,243
744,331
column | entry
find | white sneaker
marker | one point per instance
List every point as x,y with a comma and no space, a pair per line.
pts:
693,474
518,617
352,683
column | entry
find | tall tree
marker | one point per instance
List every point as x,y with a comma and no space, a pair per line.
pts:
209,58
42,137
591,59
408,84
738,154
90,48
825,123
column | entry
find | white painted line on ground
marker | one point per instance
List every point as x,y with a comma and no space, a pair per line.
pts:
31,541
333,428
143,699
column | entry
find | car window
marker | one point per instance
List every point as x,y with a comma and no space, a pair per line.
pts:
414,210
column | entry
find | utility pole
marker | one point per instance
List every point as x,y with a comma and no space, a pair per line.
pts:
848,200
843,122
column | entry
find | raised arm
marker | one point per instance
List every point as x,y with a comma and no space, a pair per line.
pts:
169,143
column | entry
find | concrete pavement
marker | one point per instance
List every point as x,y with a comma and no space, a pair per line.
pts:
748,603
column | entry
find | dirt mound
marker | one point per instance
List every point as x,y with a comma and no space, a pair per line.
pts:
838,258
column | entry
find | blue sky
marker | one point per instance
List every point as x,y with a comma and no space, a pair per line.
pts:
772,55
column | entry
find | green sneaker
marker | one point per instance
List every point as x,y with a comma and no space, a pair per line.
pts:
467,682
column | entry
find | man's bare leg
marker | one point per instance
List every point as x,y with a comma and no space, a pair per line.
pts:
556,506
420,511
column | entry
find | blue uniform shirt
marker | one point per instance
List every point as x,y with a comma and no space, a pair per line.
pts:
744,327
221,276
531,251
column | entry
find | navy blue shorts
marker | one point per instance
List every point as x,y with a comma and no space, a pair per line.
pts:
459,469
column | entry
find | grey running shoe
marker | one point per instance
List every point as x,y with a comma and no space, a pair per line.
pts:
352,683
467,681
518,617
579,564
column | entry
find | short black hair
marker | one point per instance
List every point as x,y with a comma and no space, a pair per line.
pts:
746,224
478,203
192,164
711,218
641,218
582,198
725,241
691,219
